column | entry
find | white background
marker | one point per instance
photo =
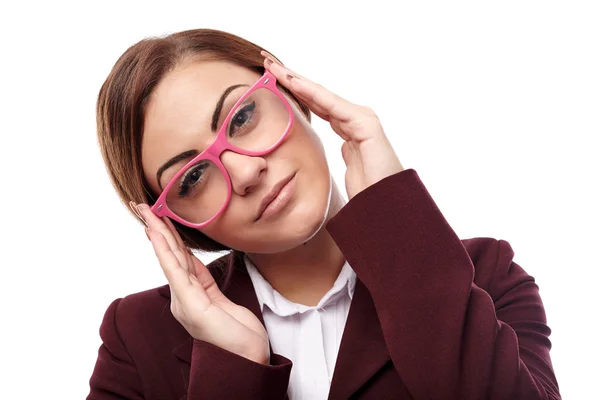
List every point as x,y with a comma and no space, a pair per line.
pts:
495,105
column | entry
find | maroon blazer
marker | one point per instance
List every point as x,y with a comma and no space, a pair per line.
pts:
432,317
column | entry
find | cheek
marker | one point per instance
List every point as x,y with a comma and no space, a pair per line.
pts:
304,142
226,226
310,154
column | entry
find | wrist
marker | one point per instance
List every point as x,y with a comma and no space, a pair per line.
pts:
260,355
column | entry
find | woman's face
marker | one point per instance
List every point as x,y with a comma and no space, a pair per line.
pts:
178,119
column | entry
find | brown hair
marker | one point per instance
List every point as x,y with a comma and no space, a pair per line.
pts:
122,99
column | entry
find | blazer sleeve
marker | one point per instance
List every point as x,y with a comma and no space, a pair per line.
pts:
448,337
215,373
219,374
115,375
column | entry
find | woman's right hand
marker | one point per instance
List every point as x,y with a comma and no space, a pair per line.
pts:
196,300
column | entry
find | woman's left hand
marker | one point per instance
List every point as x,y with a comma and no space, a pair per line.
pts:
367,152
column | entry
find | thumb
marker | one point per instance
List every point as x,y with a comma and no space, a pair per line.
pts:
203,275
349,153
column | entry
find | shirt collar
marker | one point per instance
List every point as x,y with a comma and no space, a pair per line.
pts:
266,295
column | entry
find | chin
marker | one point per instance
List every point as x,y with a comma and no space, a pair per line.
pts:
307,219
301,223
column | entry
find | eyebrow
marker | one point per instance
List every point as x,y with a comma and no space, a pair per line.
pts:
213,128
219,106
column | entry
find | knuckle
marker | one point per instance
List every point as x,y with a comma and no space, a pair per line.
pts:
179,251
368,111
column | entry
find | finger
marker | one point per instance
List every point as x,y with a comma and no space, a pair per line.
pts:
193,264
176,275
205,278
134,209
174,232
270,56
320,114
316,96
317,110
182,287
335,123
319,98
157,224
188,264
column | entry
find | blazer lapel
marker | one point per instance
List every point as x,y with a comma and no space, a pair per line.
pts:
362,351
182,341
240,290
238,287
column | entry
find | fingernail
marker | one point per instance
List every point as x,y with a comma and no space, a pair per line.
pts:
135,208
141,215
291,76
270,58
141,208
147,234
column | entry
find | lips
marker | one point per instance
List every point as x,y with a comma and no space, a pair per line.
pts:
273,194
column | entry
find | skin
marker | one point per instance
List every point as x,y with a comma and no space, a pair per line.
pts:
178,119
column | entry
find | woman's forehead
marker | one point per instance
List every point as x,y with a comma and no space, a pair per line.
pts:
196,85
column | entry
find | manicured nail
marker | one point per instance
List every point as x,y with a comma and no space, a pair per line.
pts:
139,208
270,58
135,208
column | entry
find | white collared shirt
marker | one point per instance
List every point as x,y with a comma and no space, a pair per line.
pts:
309,336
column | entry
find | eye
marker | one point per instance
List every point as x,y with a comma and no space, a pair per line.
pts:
191,178
241,118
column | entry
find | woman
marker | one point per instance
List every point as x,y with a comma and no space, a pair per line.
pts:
210,137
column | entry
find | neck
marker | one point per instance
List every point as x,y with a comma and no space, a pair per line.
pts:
305,273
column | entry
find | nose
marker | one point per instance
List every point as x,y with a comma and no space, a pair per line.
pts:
245,171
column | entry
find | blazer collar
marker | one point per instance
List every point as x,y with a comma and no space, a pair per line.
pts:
362,350
343,286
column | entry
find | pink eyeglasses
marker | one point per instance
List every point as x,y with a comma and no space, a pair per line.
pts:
256,124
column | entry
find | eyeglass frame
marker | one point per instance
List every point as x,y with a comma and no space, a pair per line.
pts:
218,146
